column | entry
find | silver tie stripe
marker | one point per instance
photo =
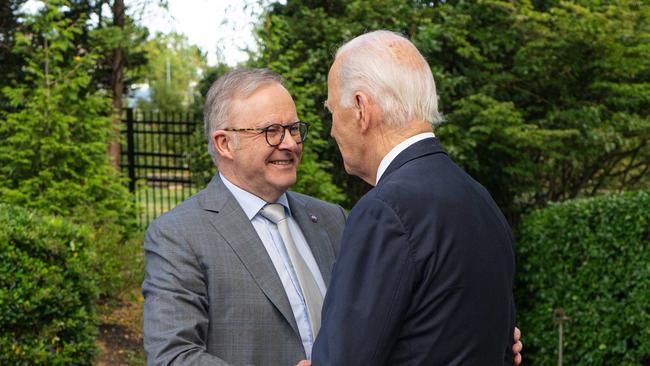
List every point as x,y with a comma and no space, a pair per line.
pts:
274,212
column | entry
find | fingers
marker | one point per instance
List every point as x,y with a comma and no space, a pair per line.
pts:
518,346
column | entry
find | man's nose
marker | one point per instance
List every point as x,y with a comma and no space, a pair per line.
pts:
289,141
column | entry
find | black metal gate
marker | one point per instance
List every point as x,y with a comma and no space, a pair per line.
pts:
154,157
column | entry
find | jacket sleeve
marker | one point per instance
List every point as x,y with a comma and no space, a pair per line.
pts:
175,311
370,289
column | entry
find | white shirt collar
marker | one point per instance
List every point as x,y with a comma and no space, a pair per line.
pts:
392,154
250,203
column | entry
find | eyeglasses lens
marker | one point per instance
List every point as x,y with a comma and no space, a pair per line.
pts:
274,133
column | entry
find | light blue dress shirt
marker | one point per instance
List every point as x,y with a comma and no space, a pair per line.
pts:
270,236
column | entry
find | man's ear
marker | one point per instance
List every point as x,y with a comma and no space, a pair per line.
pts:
222,143
362,105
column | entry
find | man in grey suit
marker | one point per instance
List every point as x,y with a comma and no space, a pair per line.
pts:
226,282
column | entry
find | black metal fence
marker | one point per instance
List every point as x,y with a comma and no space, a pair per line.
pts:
154,157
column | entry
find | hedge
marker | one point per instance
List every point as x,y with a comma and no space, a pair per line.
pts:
590,257
47,291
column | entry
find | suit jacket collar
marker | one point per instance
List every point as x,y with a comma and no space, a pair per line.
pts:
421,148
226,216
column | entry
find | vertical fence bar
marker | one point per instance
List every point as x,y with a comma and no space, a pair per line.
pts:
182,157
143,161
171,148
182,146
160,172
185,142
140,146
130,149
151,195
190,127
157,161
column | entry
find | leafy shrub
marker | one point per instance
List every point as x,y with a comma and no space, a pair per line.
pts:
47,291
590,257
118,261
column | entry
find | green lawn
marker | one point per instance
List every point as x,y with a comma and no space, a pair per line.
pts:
154,201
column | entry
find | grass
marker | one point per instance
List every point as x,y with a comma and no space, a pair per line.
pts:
154,201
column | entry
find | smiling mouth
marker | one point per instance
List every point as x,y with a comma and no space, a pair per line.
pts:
281,162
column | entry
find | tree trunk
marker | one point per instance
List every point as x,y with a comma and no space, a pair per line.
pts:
117,86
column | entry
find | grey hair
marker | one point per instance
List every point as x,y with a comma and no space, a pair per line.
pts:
235,84
400,82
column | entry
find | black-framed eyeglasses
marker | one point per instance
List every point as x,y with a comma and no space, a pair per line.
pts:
275,133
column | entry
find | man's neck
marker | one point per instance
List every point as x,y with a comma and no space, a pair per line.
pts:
384,140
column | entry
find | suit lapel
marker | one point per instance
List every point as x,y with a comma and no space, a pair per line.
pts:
315,234
231,223
421,148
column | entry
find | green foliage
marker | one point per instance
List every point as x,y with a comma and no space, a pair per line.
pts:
47,291
53,141
53,144
172,73
118,266
189,80
8,25
545,100
103,36
199,160
552,66
590,257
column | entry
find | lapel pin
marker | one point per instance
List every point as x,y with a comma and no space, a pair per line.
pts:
313,218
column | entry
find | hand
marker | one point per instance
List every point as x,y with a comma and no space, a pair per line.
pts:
304,363
516,347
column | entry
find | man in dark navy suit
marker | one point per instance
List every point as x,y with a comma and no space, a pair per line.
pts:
426,267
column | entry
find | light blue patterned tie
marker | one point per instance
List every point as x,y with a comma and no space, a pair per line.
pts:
274,212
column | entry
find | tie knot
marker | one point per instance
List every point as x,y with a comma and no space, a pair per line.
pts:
273,212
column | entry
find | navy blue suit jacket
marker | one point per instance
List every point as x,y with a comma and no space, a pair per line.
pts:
425,272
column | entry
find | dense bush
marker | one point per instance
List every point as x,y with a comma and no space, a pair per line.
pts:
118,261
590,257
47,291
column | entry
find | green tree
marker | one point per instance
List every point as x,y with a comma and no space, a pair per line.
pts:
118,41
9,23
173,71
53,140
545,100
553,108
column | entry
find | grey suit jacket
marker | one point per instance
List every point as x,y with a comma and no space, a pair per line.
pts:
212,295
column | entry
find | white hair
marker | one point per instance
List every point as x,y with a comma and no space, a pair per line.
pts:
389,68
235,84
